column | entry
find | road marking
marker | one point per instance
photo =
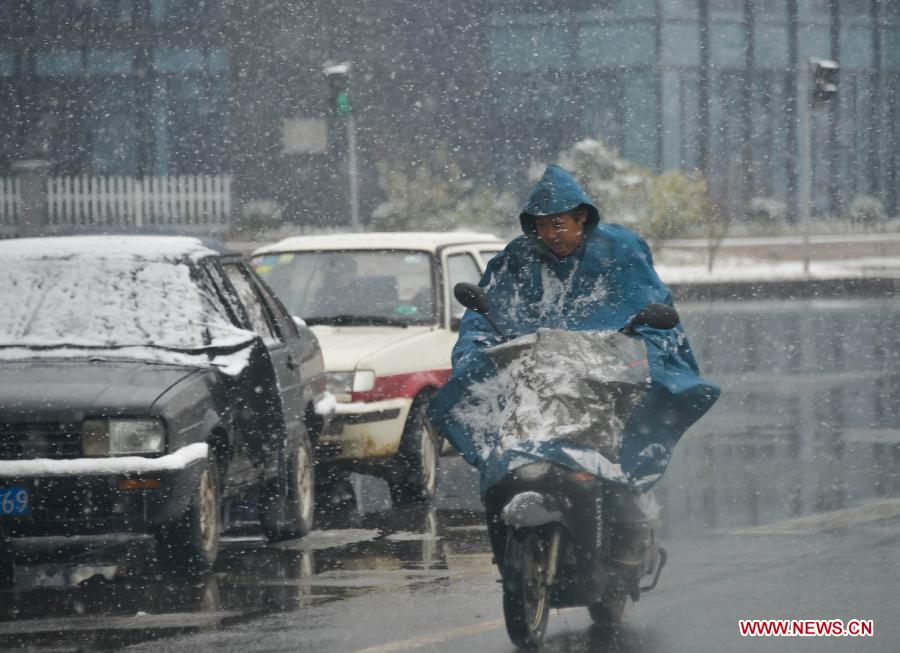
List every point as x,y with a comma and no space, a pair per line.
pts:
433,638
444,635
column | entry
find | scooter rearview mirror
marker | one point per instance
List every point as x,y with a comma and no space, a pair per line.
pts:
473,298
656,316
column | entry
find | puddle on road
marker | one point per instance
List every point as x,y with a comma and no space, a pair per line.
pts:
108,592
318,540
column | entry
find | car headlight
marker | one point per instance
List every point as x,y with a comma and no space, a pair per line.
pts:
117,437
344,383
339,383
363,380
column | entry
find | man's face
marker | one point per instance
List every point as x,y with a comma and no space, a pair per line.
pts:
562,232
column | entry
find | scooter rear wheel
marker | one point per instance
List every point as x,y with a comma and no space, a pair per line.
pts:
526,596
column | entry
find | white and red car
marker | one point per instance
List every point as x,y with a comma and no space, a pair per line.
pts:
382,308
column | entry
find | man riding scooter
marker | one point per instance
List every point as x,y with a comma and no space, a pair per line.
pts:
570,272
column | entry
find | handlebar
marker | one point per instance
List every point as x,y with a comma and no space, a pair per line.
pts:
657,316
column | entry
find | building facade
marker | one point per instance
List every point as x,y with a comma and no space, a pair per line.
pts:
120,87
708,85
171,87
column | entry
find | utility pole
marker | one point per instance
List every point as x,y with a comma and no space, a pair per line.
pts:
816,85
352,172
804,183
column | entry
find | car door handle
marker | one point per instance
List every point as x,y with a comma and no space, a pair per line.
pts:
291,365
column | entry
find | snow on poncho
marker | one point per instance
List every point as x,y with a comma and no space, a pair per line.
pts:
584,401
135,297
609,279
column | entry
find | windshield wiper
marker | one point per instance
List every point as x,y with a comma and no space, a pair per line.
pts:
358,320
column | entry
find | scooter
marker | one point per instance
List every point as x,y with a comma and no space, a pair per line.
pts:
560,535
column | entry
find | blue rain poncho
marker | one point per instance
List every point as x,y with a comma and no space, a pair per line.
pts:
599,287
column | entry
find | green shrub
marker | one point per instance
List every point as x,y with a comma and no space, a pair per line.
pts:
866,211
431,193
676,204
659,207
766,211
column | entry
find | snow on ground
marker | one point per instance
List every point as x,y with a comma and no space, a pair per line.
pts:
701,243
780,258
682,268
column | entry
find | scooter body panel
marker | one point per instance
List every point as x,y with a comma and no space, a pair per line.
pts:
584,565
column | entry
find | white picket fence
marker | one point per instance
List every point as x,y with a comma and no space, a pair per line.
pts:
198,203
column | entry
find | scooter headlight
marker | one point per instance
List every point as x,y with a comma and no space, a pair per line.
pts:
533,472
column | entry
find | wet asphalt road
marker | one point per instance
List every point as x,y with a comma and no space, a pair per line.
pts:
381,580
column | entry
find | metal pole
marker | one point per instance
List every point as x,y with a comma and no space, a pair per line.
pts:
33,218
804,183
352,172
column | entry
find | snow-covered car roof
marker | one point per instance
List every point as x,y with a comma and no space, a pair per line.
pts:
130,246
412,240
109,292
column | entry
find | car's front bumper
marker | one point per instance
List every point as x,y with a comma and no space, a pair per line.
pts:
102,495
364,431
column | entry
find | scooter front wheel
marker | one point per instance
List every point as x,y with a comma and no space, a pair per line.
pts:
526,594
609,611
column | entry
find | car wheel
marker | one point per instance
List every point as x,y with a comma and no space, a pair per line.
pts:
414,472
7,571
287,504
336,503
190,543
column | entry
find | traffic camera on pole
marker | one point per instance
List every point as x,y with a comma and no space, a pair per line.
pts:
824,79
338,78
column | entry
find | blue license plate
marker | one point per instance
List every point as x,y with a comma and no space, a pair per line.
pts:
14,501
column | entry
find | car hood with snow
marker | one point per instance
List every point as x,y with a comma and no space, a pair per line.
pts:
345,348
69,390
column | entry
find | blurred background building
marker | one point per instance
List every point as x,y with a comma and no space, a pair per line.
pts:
186,87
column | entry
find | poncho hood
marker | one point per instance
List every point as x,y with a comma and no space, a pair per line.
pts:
556,192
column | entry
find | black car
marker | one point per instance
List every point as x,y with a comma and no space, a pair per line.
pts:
147,384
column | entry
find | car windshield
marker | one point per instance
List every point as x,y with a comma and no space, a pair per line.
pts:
108,300
353,286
